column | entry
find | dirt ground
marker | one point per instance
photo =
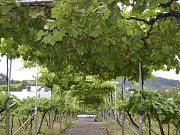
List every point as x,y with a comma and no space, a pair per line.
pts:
86,128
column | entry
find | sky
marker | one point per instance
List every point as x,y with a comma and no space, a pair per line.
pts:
20,73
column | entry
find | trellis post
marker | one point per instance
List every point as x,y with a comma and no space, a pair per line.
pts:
123,113
141,91
36,99
115,111
8,94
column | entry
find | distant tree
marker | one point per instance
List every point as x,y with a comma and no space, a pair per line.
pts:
24,84
3,79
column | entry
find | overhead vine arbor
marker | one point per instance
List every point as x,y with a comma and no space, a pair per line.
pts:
19,23
97,37
101,37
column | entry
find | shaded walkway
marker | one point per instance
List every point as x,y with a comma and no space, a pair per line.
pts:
86,128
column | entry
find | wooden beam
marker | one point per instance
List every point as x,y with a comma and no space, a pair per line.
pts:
34,1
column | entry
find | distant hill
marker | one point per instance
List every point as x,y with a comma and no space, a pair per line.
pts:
159,83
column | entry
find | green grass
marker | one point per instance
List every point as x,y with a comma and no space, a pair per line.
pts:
129,131
58,127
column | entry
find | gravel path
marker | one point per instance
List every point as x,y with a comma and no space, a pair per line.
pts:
86,128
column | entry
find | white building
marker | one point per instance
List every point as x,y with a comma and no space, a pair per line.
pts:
30,91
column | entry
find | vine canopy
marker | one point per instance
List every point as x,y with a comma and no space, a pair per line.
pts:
96,37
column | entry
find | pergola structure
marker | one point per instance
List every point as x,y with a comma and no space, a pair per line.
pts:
44,3
41,4
34,1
